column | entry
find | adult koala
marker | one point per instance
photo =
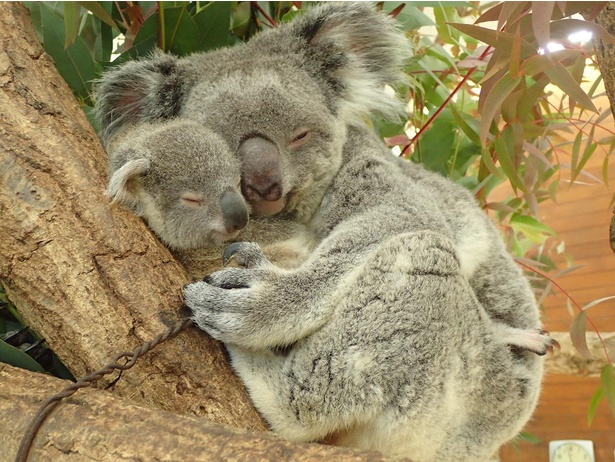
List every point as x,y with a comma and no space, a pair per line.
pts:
396,333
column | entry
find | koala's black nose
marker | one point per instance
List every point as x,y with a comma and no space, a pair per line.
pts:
261,170
270,191
234,211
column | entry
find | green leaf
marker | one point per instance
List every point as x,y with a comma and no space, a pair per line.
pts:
35,17
577,333
487,161
15,357
60,370
435,145
100,10
528,438
74,63
410,17
181,31
72,19
593,405
608,385
466,128
504,147
531,228
590,148
576,148
387,128
214,23
145,41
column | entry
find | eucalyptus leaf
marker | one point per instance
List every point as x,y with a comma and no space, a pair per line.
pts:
15,357
213,24
181,31
74,63
593,405
607,381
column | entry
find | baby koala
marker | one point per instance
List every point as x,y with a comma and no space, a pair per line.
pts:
184,181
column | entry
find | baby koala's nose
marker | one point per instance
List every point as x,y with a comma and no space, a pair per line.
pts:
234,211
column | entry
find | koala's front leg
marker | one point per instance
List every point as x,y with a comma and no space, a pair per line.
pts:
256,307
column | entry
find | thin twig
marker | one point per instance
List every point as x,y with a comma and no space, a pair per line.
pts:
444,104
534,270
265,15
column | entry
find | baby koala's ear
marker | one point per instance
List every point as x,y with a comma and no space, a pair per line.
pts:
125,184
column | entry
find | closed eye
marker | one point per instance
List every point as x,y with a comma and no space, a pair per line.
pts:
300,137
192,200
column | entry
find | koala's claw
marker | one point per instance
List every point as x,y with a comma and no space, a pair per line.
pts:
230,252
246,254
536,341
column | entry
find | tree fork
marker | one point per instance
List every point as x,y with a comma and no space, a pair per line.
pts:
90,278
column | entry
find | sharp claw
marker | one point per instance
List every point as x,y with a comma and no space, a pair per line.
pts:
230,252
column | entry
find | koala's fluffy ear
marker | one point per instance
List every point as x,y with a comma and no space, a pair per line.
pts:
143,90
123,185
358,51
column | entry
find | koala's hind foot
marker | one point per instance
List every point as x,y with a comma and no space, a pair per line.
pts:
534,340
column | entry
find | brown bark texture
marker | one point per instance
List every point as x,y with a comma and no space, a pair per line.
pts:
90,278
605,51
98,426
605,56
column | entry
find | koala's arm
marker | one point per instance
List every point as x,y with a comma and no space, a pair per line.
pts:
263,306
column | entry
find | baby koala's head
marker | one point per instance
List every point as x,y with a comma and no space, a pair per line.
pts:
182,178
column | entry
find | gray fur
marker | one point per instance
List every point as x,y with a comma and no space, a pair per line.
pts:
178,176
153,165
408,329
386,344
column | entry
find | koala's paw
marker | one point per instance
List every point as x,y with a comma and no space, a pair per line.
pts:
217,311
246,254
534,340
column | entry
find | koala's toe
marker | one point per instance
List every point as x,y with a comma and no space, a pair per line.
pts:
232,278
246,254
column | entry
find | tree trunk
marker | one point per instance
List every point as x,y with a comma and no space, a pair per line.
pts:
605,52
95,425
605,56
90,278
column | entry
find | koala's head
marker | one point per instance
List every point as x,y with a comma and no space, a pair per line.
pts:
182,179
282,101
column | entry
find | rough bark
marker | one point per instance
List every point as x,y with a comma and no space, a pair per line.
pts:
90,278
95,425
605,52
569,361
605,56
